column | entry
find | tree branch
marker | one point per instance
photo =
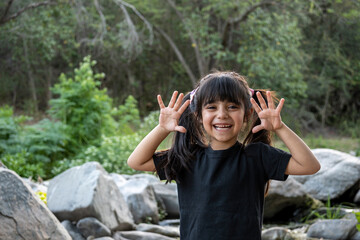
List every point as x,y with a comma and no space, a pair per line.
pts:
5,19
6,10
179,55
148,25
242,18
199,59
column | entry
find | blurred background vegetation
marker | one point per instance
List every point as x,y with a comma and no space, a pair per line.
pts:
79,79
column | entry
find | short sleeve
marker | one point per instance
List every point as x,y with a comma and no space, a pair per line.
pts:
159,160
275,162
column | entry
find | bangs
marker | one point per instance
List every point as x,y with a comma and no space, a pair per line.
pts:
222,88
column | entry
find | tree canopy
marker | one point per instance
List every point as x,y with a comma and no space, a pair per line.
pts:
307,51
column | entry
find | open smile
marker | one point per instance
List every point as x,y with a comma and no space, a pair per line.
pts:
222,126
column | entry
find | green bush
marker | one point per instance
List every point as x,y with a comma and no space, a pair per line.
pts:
113,151
47,142
23,164
82,106
10,127
127,116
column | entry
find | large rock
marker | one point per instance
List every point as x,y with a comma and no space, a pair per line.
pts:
333,229
276,233
163,230
23,215
140,197
167,195
285,197
339,172
357,197
72,230
92,227
144,176
88,191
135,235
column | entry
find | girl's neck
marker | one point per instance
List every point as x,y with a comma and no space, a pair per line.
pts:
222,146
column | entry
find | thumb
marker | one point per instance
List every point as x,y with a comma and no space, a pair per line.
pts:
180,129
257,128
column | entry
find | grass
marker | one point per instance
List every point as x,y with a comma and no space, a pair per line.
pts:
343,144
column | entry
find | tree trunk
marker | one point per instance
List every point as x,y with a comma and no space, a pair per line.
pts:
48,93
30,77
324,108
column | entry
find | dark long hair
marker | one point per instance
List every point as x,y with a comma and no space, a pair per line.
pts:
219,86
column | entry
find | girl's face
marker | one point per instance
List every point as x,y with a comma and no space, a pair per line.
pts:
222,121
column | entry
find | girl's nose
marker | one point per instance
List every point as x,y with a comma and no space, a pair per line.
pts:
222,113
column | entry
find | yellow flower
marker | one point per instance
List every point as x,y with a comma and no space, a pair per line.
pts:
193,45
42,196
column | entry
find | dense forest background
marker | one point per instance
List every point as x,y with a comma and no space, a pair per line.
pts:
306,51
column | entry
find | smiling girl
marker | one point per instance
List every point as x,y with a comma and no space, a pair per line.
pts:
222,182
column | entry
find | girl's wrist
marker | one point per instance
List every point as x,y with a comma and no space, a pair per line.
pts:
163,130
279,129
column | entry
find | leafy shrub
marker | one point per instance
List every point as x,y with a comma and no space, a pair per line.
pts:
23,164
82,106
112,154
47,142
9,130
113,151
128,117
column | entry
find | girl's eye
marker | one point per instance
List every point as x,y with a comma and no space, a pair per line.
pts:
233,107
210,107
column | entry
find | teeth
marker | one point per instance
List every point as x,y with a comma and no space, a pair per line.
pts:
222,126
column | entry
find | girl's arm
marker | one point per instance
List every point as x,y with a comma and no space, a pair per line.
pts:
141,158
303,161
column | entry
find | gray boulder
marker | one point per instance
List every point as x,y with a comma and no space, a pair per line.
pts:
36,186
140,197
118,179
88,191
72,230
287,194
144,176
339,172
276,233
357,197
135,235
163,230
22,214
333,229
167,195
356,236
92,227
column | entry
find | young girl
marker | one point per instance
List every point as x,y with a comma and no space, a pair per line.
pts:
221,182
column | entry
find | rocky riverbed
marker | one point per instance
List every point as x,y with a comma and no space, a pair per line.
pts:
86,202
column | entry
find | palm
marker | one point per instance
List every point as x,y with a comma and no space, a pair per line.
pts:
170,115
269,115
169,118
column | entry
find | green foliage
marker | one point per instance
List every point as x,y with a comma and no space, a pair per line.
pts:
46,142
23,164
81,105
357,214
127,115
330,213
270,54
113,151
9,130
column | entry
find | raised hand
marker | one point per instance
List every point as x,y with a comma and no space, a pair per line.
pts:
269,115
170,115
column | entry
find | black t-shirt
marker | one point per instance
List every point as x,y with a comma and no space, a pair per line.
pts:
223,195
